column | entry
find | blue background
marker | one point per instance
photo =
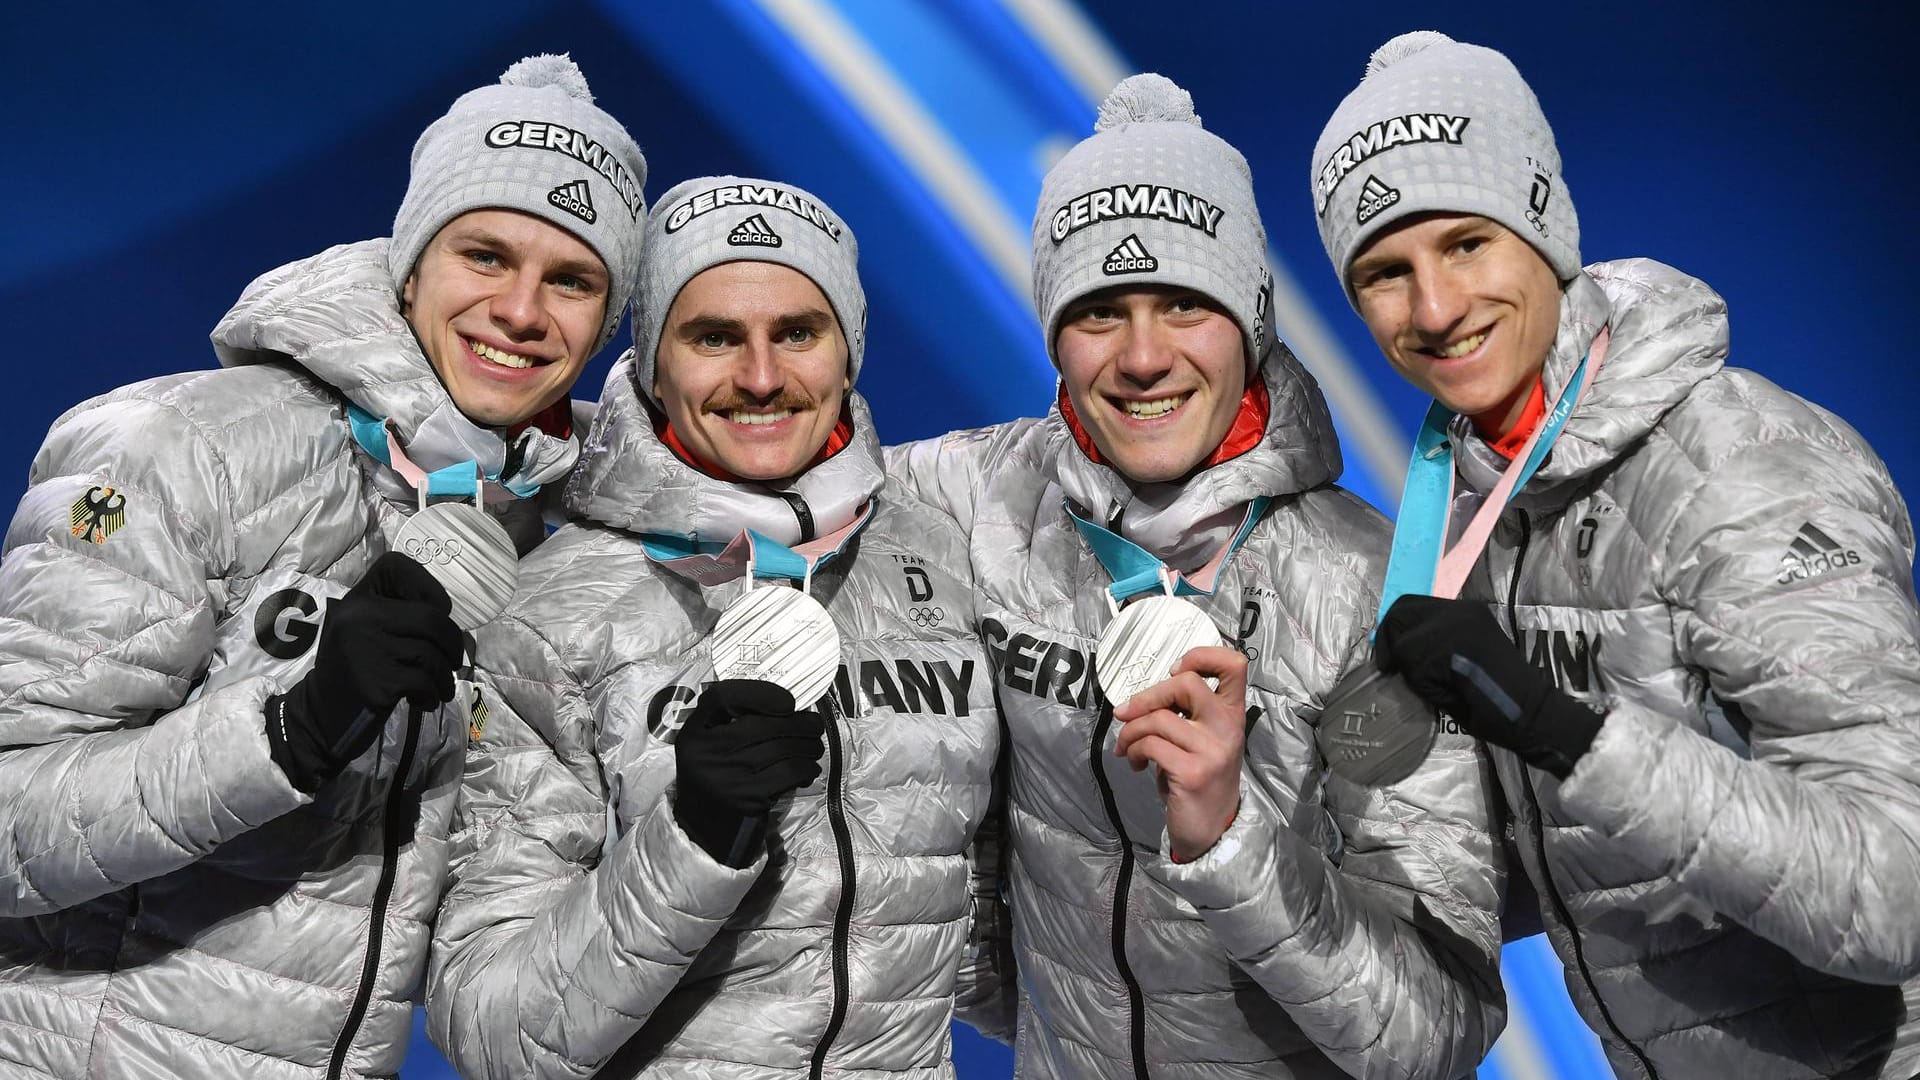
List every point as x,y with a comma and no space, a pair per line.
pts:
157,157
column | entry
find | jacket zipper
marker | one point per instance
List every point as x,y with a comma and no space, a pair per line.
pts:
395,823
1136,1004
843,916
1540,829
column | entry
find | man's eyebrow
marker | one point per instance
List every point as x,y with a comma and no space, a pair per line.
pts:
473,234
1367,263
1465,226
808,317
584,268
703,324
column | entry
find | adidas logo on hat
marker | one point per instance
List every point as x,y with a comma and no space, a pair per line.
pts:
1813,553
1374,197
574,199
1131,257
754,232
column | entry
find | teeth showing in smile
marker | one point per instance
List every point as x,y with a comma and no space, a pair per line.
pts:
1460,348
1147,410
504,359
740,417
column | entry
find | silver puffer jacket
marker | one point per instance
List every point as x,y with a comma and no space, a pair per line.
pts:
1332,929
169,905
1731,873
584,933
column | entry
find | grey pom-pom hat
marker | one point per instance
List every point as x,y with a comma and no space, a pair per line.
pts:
533,142
1152,198
1437,125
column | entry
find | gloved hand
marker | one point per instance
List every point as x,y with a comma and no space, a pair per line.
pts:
742,748
388,640
1454,655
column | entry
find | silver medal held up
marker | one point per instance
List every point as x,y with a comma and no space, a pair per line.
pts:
781,636
468,553
1144,641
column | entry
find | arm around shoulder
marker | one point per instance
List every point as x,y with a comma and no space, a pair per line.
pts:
947,471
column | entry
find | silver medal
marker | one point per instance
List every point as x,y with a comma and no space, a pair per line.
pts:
1145,640
1374,729
780,635
468,553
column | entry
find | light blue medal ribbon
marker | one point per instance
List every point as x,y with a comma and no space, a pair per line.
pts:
715,562
1417,564
1136,571
462,479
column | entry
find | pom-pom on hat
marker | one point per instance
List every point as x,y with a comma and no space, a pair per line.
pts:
1437,125
533,142
1152,198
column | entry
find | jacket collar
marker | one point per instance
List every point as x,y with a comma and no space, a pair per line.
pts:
1669,331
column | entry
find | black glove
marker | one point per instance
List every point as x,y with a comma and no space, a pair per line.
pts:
742,748
1453,654
388,640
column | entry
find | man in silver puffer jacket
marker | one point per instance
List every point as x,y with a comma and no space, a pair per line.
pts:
216,859
1264,919
1709,734
657,873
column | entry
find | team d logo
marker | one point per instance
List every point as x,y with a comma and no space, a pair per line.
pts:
99,514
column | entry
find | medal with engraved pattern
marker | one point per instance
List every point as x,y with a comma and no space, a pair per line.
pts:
468,553
780,635
1144,641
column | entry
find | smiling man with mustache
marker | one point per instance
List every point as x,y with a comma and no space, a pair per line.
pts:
672,859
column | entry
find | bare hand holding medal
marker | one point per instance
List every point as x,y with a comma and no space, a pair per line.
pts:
1179,692
1193,734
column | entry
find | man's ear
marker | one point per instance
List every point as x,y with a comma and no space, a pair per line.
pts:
406,293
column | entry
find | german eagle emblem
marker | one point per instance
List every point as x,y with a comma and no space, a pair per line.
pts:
99,514
477,719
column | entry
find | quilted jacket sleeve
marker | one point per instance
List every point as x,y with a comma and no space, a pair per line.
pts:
1387,960
1790,570
552,950
946,472
110,587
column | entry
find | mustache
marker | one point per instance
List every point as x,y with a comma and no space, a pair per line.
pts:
786,399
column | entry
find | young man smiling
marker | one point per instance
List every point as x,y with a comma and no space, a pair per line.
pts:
673,857
1691,638
228,778
1191,894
